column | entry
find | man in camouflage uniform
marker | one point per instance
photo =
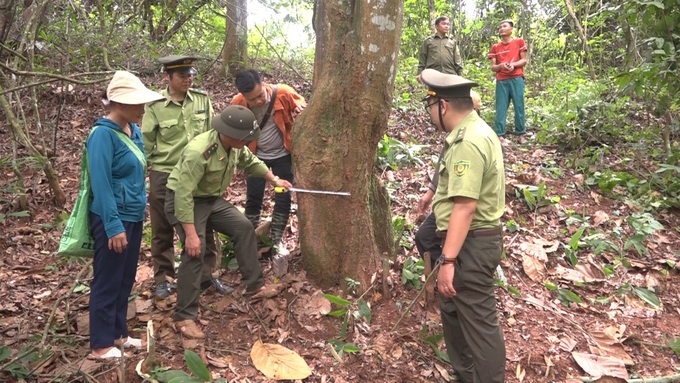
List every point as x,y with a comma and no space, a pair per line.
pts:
468,205
167,127
194,202
440,51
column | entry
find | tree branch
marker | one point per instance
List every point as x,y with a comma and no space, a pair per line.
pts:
56,76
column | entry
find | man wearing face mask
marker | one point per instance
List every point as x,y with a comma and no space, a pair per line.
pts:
468,205
167,128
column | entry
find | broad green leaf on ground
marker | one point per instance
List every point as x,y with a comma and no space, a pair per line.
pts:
197,366
647,296
277,362
337,300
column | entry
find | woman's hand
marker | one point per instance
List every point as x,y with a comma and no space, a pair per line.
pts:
118,242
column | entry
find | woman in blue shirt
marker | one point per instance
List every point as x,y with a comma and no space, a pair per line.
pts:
117,168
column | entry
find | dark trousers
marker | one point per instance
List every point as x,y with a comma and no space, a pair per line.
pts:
114,275
427,240
282,167
163,235
473,335
221,216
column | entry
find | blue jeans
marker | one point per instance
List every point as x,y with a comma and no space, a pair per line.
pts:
506,90
114,275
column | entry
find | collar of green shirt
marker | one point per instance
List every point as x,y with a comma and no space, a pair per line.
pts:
166,92
468,120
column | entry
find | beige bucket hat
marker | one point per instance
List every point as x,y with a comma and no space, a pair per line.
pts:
126,88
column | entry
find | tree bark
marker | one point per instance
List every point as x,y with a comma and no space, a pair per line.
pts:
584,39
432,8
336,138
235,52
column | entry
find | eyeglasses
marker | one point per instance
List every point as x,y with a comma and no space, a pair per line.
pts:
428,104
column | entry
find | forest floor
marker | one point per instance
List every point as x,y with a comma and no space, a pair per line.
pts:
598,316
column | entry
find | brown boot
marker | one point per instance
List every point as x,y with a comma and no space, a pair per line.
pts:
189,329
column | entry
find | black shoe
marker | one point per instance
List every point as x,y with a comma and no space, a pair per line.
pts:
219,287
163,290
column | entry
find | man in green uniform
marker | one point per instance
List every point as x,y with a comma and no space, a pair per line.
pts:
167,127
194,202
440,51
468,205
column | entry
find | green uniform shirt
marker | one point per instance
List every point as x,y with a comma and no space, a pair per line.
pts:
205,170
472,167
168,126
441,54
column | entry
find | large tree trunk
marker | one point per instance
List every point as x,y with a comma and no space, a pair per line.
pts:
336,138
235,52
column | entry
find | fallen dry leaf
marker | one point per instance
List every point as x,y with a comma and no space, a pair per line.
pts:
520,373
610,379
567,344
318,305
278,362
548,246
597,366
600,217
534,250
534,268
442,371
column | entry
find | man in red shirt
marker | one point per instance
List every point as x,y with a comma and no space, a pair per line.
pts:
508,59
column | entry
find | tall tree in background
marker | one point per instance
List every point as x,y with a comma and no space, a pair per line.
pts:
235,52
335,139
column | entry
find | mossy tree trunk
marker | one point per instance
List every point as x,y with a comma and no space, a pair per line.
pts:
336,138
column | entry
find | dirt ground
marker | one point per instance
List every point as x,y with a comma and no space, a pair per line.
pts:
45,303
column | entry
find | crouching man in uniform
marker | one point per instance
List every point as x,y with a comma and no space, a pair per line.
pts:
468,205
194,203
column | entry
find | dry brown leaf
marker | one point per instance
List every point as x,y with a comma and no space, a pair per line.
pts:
318,305
651,281
217,361
548,246
568,274
397,352
567,344
442,371
597,366
143,305
609,344
278,362
591,272
534,250
534,268
520,373
600,217
596,197
610,379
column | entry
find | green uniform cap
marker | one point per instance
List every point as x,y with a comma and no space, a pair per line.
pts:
184,64
238,123
446,85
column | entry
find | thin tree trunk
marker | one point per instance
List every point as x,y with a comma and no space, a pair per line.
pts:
584,39
336,138
235,52
18,132
432,8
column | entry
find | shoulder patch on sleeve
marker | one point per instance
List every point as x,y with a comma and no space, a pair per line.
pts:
460,136
461,167
209,151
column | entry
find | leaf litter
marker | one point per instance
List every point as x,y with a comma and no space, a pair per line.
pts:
34,281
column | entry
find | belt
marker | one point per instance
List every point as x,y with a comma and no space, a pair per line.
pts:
483,232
